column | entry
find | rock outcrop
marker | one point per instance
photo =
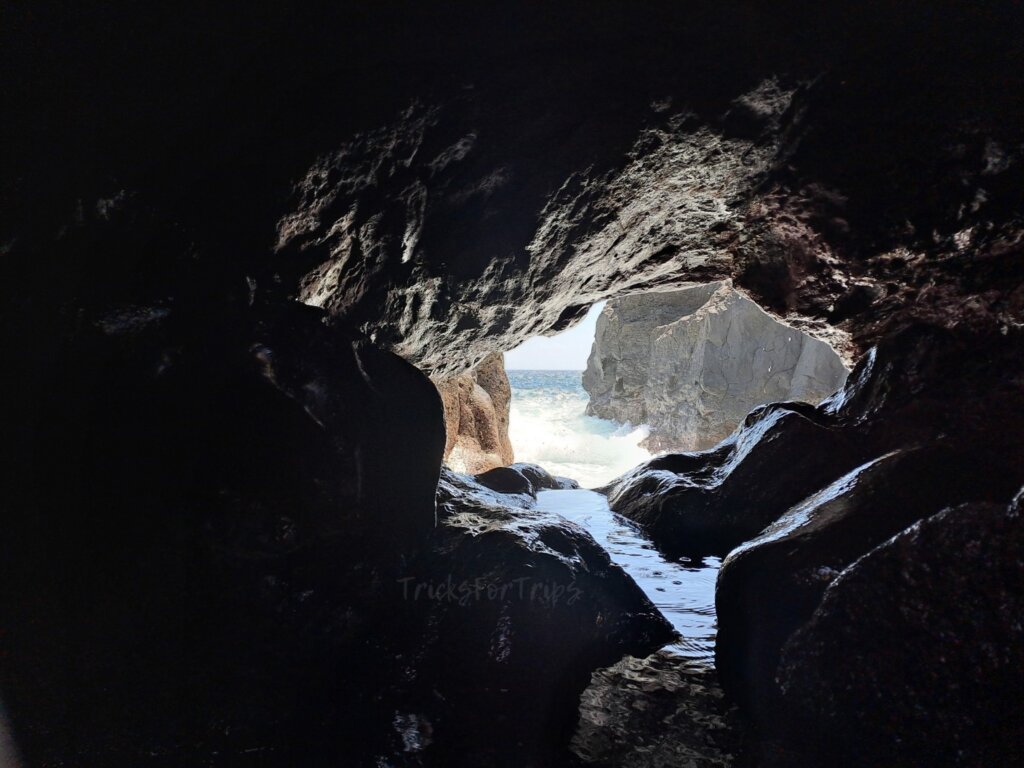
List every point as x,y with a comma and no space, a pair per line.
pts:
476,412
657,711
691,364
908,391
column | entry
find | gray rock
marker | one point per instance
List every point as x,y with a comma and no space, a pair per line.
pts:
692,363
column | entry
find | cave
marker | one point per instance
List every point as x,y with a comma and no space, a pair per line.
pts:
260,501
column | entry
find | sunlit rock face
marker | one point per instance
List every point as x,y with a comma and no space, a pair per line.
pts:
476,413
692,363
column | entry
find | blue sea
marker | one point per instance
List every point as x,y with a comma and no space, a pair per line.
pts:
549,426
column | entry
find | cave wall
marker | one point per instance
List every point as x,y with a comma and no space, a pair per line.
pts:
542,160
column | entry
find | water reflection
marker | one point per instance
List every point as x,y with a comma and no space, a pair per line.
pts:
683,591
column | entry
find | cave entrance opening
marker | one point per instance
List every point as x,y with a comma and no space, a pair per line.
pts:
549,423
649,373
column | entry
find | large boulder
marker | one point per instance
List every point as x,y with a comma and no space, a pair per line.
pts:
193,517
690,364
915,655
707,503
769,587
476,413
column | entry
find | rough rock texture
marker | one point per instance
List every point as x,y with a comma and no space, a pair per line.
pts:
519,607
544,480
692,363
524,479
434,212
916,653
476,408
192,518
656,712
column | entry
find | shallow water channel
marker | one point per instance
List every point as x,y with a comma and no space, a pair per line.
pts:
683,591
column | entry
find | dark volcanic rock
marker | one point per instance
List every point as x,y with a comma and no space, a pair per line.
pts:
768,587
707,503
656,711
916,654
207,561
196,520
647,149
506,480
524,479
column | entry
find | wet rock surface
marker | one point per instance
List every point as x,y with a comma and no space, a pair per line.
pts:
208,561
902,447
768,587
657,712
691,364
476,411
534,606
914,654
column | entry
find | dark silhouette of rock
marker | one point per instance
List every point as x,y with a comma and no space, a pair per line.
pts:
914,655
476,410
692,363
769,587
544,480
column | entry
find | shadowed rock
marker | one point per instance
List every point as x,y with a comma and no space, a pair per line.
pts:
768,587
916,652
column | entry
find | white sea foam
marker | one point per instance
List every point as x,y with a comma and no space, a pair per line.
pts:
549,427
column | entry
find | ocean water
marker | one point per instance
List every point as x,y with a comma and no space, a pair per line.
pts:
548,426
